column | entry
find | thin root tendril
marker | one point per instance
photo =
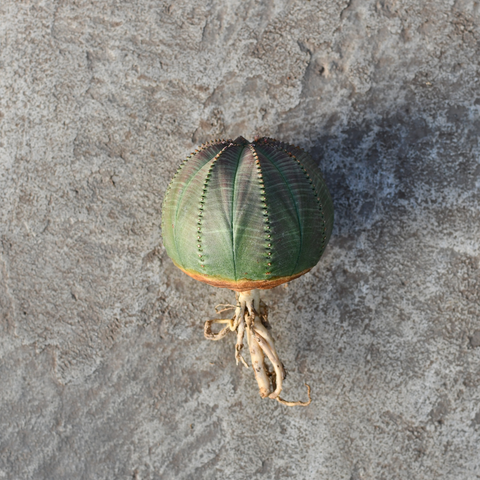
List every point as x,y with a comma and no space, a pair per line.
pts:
297,404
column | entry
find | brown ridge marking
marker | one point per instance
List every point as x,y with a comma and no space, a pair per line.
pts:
180,168
283,147
266,220
314,188
202,202
240,285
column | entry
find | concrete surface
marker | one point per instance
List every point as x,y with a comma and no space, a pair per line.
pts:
104,370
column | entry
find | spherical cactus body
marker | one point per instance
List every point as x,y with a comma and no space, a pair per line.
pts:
248,216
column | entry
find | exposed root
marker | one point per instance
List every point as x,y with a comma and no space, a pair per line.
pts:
223,307
207,329
251,317
239,344
256,354
297,404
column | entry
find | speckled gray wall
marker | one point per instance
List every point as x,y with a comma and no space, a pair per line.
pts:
104,370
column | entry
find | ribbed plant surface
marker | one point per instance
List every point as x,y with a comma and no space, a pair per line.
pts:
238,211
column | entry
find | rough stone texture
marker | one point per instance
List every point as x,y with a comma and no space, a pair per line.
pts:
104,370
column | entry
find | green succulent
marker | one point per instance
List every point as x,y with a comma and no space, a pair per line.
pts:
248,216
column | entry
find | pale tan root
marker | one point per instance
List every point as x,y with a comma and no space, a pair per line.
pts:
270,352
260,328
223,307
297,404
239,344
256,354
251,317
207,329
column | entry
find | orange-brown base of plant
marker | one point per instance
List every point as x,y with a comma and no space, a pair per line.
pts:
241,285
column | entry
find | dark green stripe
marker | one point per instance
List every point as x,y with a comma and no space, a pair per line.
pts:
287,185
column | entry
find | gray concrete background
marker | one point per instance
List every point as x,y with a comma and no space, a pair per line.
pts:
104,370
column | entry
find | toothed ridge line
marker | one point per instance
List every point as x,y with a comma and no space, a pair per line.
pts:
202,202
263,199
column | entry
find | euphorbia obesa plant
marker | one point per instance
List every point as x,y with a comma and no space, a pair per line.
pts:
248,217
